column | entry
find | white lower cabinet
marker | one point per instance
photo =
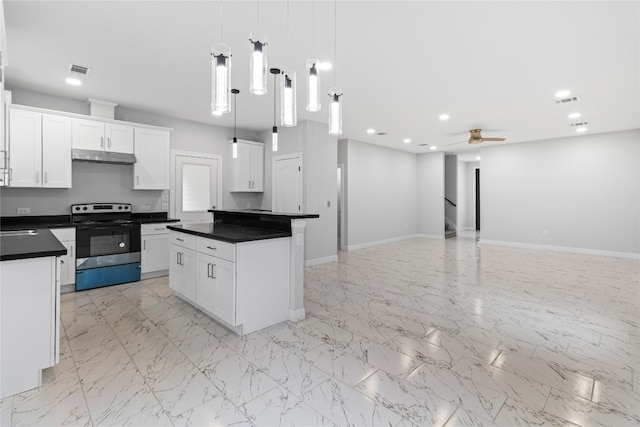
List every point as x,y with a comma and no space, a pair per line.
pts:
245,285
154,257
67,265
29,322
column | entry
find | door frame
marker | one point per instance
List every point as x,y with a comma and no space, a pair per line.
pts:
476,205
172,176
342,222
274,159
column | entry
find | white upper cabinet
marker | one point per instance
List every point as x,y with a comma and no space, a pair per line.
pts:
39,150
151,170
247,170
97,135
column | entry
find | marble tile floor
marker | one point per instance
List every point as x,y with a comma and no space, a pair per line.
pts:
414,333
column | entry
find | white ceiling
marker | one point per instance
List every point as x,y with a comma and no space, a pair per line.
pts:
490,65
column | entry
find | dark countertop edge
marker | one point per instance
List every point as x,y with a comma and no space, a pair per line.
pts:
265,213
269,234
54,247
64,221
155,221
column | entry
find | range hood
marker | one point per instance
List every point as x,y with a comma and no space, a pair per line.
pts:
96,156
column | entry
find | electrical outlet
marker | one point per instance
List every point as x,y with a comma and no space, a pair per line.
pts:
23,211
145,208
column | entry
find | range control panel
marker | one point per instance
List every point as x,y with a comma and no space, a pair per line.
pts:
86,208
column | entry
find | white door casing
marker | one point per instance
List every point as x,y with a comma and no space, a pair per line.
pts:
196,185
287,183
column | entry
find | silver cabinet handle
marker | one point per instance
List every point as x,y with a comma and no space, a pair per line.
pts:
144,245
159,229
109,142
46,177
179,239
37,177
213,249
102,141
137,179
10,174
71,252
209,273
212,276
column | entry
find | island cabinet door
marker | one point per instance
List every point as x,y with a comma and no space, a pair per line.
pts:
175,268
215,291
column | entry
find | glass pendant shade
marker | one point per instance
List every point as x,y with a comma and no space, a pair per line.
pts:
234,148
274,139
288,117
335,111
258,64
313,86
220,79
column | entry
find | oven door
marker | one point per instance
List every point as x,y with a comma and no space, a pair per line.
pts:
107,243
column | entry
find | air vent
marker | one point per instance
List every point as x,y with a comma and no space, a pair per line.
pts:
423,145
381,133
580,124
79,69
565,100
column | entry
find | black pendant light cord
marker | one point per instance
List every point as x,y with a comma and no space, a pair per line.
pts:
235,93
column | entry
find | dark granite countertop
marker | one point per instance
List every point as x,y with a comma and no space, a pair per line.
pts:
152,217
21,245
230,233
259,212
64,221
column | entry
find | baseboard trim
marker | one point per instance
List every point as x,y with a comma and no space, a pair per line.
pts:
296,315
318,261
584,251
431,236
382,242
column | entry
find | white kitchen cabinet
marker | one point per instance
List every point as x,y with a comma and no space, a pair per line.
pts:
151,170
245,285
247,169
67,265
39,150
182,265
155,249
101,136
216,287
30,321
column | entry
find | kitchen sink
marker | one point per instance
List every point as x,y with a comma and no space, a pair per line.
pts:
31,232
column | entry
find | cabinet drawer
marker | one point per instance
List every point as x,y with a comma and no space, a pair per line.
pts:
157,228
216,248
182,239
64,234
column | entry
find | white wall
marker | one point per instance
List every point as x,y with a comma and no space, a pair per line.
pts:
93,182
583,191
431,194
319,160
382,194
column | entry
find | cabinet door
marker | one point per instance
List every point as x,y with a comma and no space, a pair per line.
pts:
151,170
25,149
224,290
155,252
205,282
257,168
56,151
175,268
188,259
240,168
119,138
87,135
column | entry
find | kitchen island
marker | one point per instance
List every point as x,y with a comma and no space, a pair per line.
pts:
30,307
245,269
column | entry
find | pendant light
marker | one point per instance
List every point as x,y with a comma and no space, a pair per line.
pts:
288,117
335,93
274,133
234,146
313,78
258,59
220,73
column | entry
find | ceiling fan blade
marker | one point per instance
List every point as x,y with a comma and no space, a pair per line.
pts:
494,139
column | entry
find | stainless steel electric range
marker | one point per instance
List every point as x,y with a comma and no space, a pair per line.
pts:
107,245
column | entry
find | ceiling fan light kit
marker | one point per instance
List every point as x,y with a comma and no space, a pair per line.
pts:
476,138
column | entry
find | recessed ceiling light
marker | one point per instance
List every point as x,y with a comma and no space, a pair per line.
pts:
433,147
478,158
444,117
324,66
581,130
406,140
562,93
73,82
371,131
574,115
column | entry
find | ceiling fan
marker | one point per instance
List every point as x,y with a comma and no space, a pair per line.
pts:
476,138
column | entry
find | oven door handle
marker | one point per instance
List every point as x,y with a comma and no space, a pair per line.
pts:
105,226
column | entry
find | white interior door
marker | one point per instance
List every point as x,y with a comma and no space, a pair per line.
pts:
197,181
287,183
